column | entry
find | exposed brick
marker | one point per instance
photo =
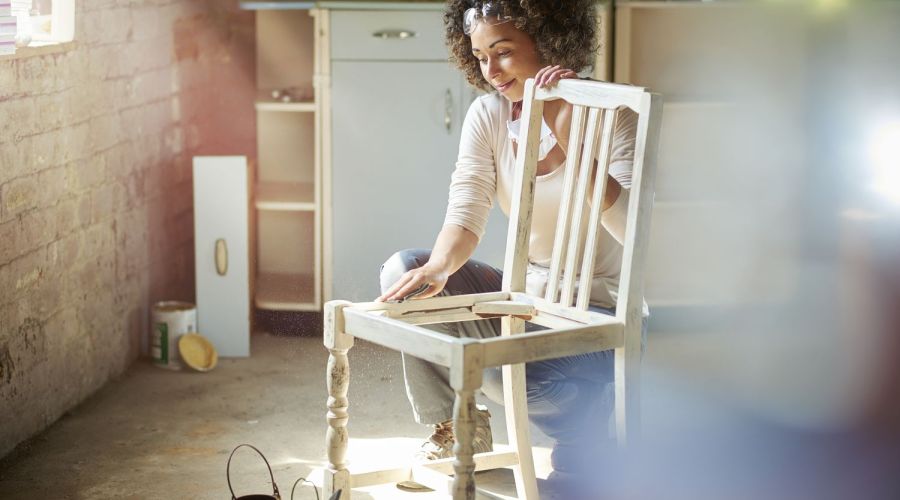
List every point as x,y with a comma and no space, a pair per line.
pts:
129,192
152,86
37,228
15,159
174,140
36,75
103,61
95,201
84,175
75,143
146,23
25,272
66,215
8,79
19,195
175,108
102,202
9,241
105,131
118,24
68,249
53,184
18,118
46,151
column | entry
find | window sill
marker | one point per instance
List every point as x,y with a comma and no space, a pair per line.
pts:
40,50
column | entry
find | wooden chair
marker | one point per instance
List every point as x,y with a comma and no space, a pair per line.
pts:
572,329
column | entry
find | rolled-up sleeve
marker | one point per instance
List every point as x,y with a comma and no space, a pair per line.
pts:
474,181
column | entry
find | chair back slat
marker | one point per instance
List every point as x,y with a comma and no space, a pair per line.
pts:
586,277
576,139
515,263
575,243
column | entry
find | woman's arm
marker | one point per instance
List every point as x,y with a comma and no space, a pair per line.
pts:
453,247
472,187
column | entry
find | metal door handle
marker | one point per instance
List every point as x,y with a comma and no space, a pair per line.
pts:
448,111
399,34
221,257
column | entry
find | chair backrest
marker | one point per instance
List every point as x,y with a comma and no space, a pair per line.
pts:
595,106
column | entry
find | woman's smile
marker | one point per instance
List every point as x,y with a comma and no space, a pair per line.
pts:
505,86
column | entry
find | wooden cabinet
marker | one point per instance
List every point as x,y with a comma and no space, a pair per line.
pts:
222,252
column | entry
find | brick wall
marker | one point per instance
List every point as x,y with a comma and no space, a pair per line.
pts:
96,218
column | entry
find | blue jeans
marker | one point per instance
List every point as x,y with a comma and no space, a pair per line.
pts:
570,399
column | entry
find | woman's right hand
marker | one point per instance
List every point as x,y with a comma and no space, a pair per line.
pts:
412,280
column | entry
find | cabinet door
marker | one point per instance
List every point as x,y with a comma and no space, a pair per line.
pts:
220,224
393,155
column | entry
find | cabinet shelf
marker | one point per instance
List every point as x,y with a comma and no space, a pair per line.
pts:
293,107
286,292
277,5
293,196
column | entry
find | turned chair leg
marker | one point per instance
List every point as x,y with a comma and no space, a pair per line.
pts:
464,429
337,477
465,377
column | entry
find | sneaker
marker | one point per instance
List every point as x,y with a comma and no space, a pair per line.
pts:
440,444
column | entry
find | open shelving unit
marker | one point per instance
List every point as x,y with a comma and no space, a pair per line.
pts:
288,199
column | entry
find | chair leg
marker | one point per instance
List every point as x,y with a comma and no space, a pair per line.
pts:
515,402
337,477
628,394
466,369
464,429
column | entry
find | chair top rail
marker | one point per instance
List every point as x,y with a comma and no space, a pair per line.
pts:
593,94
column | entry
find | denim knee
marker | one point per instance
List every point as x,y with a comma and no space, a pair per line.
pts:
399,263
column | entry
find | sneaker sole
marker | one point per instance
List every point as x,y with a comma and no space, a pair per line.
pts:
412,487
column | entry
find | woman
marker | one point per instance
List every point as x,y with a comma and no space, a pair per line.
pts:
499,45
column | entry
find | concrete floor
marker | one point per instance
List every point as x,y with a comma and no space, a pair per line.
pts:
160,434
156,433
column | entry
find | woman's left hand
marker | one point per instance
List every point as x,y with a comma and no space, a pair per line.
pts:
550,75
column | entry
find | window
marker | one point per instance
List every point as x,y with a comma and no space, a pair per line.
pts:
31,23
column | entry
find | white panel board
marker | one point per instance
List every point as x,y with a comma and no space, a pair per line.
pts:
220,212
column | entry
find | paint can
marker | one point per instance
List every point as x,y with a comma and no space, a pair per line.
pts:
170,320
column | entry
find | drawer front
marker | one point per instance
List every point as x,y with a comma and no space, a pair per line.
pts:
387,35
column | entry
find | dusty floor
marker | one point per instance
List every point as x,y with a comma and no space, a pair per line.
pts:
159,434
156,433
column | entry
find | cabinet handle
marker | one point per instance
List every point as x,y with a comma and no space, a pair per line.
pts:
401,34
448,111
221,257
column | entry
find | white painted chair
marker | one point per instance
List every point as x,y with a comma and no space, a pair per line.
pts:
572,329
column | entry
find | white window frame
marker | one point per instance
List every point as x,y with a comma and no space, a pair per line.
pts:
55,28
61,21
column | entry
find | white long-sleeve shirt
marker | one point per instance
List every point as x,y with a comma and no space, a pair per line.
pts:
485,170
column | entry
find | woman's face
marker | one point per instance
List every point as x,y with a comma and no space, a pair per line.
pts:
507,57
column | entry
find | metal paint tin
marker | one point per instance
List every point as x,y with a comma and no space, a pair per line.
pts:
170,320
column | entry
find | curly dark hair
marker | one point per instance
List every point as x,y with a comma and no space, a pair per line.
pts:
564,32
